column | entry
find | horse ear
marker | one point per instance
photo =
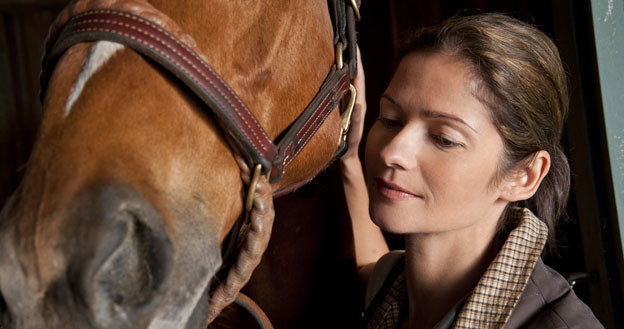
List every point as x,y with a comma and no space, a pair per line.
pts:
130,265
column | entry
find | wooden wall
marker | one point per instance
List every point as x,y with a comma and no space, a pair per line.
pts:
23,28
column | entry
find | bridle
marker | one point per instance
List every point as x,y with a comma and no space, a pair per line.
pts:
185,62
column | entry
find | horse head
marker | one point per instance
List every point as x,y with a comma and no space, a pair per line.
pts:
132,187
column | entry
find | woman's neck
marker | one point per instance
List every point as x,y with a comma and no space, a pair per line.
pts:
442,268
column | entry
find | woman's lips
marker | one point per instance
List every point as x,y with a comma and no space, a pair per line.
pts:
393,192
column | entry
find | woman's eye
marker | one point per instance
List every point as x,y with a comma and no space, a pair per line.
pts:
388,122
444,142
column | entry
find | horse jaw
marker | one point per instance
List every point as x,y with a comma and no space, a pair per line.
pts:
297,37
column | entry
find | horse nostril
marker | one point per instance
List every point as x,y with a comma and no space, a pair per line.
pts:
134,271
126,256
5,315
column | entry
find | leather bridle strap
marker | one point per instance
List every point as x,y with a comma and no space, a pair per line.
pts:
186,64
344,16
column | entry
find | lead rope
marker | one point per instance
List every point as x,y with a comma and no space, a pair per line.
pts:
250,306
251,242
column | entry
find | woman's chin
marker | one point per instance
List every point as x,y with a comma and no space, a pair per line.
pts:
389,224
391,218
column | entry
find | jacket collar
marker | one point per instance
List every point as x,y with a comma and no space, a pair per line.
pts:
497,293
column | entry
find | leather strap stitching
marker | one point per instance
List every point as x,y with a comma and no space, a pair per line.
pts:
326,110
227,98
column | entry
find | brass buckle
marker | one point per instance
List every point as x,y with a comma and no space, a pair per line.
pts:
252,191
339,61
346,116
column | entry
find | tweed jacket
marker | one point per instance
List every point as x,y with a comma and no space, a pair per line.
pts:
516,291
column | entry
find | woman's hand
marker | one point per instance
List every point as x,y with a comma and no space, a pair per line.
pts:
356,130
369,242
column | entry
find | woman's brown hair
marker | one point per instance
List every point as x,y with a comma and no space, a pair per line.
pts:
521,80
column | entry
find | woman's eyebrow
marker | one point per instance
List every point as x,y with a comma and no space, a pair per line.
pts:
435,114
391,100
430,113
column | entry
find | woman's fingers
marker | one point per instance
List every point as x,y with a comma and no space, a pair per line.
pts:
359,112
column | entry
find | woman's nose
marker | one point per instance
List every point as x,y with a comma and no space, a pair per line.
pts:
400,151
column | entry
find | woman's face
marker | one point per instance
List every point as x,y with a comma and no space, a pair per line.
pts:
432,154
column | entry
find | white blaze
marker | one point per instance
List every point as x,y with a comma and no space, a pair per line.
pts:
97,57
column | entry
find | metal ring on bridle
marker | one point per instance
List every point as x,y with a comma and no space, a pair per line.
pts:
356,10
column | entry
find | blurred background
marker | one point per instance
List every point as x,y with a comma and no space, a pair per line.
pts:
589,36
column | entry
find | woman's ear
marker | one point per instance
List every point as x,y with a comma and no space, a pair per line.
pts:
522,183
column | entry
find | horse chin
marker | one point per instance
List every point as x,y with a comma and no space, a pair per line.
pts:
198,317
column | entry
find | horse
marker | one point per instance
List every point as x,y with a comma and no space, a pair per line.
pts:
132,189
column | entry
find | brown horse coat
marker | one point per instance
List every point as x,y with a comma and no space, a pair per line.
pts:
130,188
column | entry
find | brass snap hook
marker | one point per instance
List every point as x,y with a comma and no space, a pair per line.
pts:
346,116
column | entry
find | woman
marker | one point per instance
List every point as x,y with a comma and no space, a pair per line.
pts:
464,161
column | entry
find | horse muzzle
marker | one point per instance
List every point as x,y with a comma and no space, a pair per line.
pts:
104,268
